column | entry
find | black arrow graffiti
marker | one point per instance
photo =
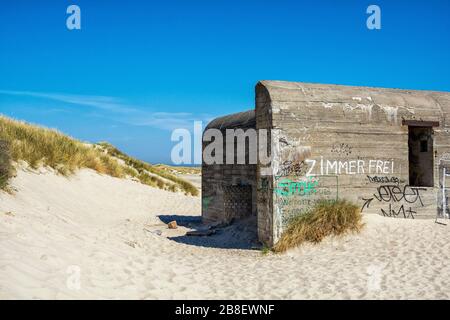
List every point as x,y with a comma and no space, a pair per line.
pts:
366,203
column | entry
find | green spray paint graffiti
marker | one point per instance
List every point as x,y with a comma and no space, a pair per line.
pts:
205,202
287,187
295,198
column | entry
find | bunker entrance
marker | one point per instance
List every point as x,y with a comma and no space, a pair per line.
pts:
237,201
420,145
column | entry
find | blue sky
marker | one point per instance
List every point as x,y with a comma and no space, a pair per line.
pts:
138,69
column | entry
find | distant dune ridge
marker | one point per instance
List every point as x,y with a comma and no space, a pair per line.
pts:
39,146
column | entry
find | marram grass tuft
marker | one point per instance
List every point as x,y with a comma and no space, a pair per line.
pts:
324,219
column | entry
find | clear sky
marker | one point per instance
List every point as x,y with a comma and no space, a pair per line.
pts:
138,69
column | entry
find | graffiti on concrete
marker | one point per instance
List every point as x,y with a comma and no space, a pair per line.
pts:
287,187
205,202
292,204
351,167
383,179
287,168
445,157
341,149
394,195
401,212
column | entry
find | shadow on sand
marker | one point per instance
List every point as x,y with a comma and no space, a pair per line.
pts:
240,234
183,221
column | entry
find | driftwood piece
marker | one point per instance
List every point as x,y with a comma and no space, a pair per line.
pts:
201,233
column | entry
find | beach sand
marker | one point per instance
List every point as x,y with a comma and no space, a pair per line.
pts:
96,237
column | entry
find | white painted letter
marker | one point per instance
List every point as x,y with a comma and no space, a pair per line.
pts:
351,165
332,165
361,164
313,163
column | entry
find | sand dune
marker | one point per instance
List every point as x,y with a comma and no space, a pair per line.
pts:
92,236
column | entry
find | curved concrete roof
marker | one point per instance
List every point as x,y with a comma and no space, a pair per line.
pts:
243,120
301,91
411,104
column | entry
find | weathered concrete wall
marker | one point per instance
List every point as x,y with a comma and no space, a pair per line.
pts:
263,114
344,142
224,196
229,190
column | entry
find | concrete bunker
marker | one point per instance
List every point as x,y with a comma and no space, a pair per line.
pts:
229,190
387,150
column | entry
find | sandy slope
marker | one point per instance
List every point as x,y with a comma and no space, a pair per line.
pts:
106,231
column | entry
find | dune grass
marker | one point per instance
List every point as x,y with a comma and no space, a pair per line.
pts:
6,169
179,169
39,146
147,172
324,219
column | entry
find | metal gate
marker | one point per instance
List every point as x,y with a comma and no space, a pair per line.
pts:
237,201
444,189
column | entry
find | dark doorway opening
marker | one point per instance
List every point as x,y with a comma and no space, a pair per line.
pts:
420,145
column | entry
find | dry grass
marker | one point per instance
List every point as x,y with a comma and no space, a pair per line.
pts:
40,146
149,174
179,169
325,219
6,169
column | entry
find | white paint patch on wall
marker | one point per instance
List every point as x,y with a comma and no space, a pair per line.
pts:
327,105
275,108
367,108
410,110
302,89
391,112
445,157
